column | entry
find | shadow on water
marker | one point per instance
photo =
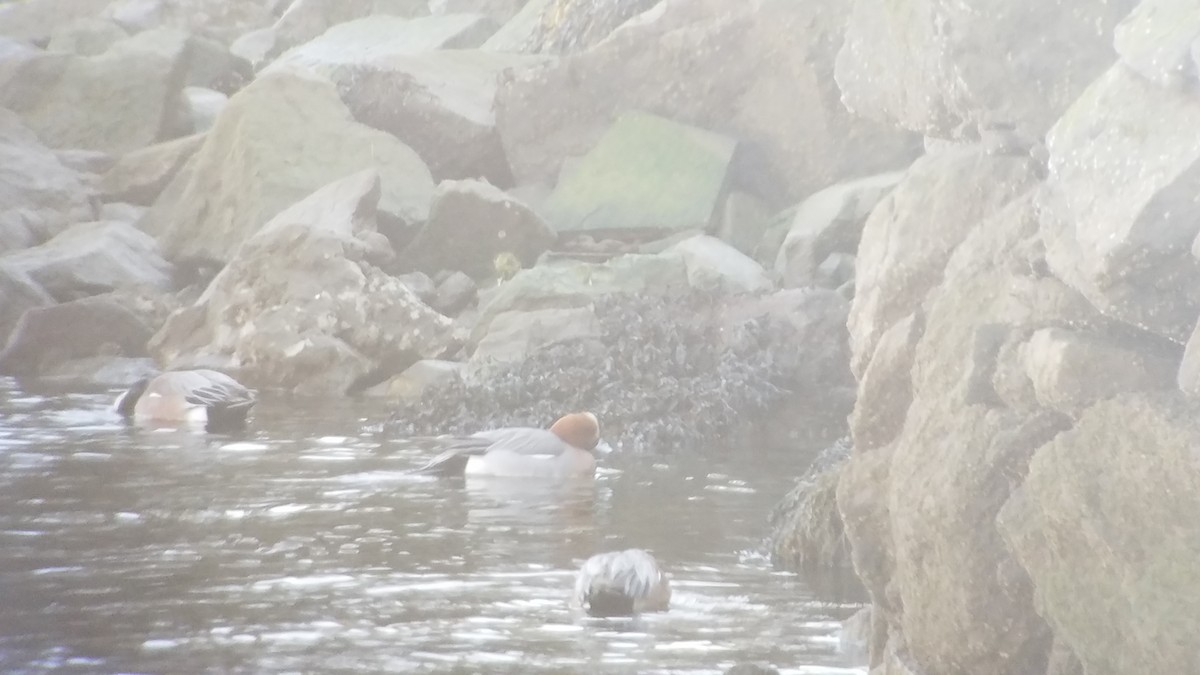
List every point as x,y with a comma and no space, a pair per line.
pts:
303,545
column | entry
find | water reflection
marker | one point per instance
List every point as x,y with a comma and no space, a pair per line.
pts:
303,545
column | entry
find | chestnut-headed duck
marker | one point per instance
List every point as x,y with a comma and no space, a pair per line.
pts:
567,449
200,396
622,583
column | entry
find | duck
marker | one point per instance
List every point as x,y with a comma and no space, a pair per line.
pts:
622,583
200,396
567,449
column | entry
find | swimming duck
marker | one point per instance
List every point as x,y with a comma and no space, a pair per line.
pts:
622,583
564,450
199,396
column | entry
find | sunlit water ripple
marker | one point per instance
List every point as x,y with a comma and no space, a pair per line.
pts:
303,545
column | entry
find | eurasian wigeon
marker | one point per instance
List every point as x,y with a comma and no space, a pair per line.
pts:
622,583
565,450
200,396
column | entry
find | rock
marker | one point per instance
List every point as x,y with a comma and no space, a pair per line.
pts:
200,109
513,337
212,66
250,167
757,72
935,566
716,266
470,223
835,271
40,195
576,284
419,379
518,34
646,174
303,305
1104,525
255,47
902,256
377,39
743,220
499,11
117,101
1073,370
456,292
929,67
305,20
47,337
217,19
442,103
562,26
86,37
100,371
1120,211
829,221
18,294
86,161
420,284
92,258
121,212
139,176
1157,40
38,21
885,386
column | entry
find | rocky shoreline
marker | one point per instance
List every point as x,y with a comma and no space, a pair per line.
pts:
970,227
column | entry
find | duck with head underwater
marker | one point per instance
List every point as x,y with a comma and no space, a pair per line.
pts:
205,397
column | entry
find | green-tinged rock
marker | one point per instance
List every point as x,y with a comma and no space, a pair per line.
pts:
645,173
1106,526
276,142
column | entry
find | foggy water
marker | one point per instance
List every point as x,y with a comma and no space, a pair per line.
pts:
302,546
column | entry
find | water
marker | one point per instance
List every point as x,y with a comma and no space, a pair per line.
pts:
303,546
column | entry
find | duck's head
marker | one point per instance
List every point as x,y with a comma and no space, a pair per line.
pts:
580,429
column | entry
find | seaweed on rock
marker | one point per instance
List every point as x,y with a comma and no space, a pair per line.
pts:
670,375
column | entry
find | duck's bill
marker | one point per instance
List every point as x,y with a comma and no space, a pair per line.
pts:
602,448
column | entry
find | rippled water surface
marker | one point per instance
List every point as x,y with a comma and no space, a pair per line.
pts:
303,546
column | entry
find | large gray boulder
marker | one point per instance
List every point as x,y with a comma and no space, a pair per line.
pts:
1105,524
303,304
40,196
931,66
760,72
470,223
47,337
1120,212
937,569
911,234
279,139
442,103
419,80
116,101
92,258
